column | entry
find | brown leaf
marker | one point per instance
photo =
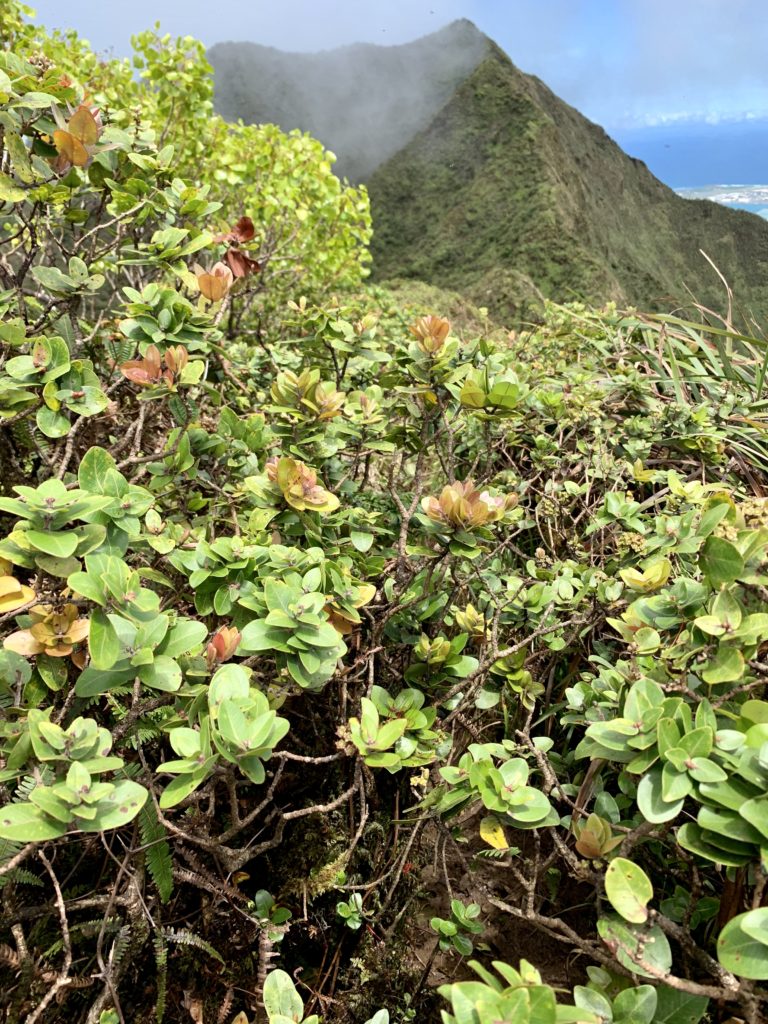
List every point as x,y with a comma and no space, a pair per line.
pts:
240,264
194,1006
244,230
214,283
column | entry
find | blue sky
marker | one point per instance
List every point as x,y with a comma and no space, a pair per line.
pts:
624,63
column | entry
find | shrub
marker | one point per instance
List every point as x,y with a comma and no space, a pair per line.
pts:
302,585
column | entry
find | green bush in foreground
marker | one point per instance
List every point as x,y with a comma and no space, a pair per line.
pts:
298,591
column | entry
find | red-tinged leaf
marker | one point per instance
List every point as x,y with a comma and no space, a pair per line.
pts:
244,230
240,264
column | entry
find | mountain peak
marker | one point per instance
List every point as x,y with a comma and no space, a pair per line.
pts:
364,101
482,180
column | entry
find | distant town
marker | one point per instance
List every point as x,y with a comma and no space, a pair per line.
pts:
753,198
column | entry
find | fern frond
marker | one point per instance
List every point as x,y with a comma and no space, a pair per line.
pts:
119,349
119,948
185,937
8,850
85,930
19,876
158,852
24,788
161,959
143,734
116,691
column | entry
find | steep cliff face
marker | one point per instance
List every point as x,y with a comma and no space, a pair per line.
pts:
507,177
483,180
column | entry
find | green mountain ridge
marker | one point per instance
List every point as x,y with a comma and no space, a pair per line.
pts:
503,191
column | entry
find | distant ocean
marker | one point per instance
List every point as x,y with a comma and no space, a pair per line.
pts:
694,154
759,208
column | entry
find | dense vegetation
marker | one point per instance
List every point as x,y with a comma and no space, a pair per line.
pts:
341,642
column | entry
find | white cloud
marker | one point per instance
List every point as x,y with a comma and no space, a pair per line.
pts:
620,61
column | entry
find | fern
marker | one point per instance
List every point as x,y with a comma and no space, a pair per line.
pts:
158,852
119,948
119,349
85,929
185,937
144,733
495,854
19,876
8,850
161,959
24,788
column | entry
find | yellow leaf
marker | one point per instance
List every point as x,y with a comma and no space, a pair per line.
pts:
640,473
492,833
652,577
366,593
22,642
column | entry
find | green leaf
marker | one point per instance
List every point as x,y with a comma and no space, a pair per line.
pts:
742,946
651,802
10,191
390,733
183,636
51,422
61,567
720,561
26,823
637,947
53,671
505,394
53,279
233,725
60,545
726,666
755,811
185,741
103,641
281,998
361,541
635,1005
692,838
120,807
628,889
93,474
180,788
674,1007
258,636
87,586
163,674
92,681
471,395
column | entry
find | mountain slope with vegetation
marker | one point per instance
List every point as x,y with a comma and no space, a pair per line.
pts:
536,188
481,179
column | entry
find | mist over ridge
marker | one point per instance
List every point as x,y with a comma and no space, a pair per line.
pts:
483,180
363,101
